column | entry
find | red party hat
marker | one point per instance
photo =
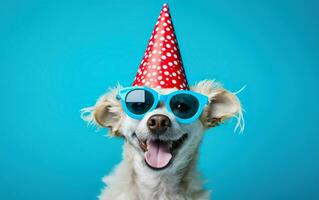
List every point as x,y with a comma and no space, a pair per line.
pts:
162,66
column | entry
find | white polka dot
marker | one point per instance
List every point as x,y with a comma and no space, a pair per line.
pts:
162,38
175,62
174,74
154,66
157,27
164,66
165,9
163,57
162,31
158,68
167,79
154,51
175,56
173,81
170,63
168,29
168,45
163,18
165,24
143,80
147,83
148,75
166,15
168,37
145,72
163,49
166,73
155,36
169,21
168,54
154,73
162,82
155,44
159,77
161,44
153,59
158,86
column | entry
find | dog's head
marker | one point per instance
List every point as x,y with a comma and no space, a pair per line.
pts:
158,139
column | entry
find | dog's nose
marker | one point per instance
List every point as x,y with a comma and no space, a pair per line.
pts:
158,123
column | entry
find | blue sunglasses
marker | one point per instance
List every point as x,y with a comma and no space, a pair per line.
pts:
186,105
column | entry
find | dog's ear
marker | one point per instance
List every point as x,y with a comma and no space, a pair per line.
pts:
107,112
222,104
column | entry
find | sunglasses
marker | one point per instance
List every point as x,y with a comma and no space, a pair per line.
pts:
186,105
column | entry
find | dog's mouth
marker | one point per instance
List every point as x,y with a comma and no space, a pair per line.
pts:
158,154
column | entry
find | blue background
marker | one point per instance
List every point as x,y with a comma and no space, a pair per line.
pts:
59,56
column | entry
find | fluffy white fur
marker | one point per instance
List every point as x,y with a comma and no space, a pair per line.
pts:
132,179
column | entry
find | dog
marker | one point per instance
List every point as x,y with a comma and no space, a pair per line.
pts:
173,177
162,121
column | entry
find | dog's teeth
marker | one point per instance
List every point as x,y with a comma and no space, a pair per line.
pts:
143,145
170,145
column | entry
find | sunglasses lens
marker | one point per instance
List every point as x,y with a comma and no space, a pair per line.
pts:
139,101
184,106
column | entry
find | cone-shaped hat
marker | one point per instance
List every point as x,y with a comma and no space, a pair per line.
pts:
162,66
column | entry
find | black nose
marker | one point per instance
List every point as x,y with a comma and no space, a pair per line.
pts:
158,123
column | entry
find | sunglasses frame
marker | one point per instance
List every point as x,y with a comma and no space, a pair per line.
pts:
165,98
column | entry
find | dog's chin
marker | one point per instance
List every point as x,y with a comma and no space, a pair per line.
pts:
159,154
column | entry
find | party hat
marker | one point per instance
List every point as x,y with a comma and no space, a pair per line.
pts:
162,65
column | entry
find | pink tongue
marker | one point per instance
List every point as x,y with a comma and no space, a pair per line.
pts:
157,154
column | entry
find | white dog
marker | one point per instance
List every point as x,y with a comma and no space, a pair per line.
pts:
173,175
